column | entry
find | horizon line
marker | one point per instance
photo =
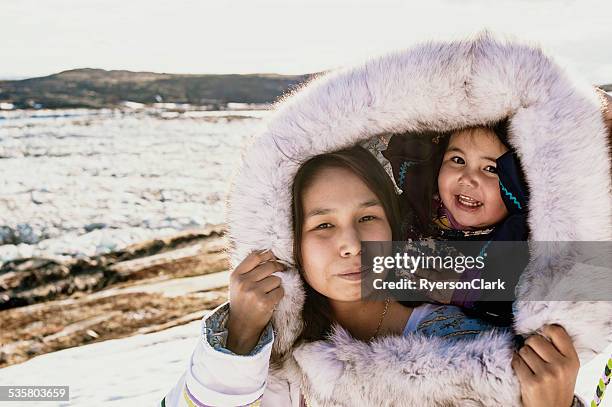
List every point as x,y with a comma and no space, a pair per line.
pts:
9,77
22,77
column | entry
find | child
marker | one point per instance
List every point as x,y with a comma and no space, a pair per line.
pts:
480,187
469,188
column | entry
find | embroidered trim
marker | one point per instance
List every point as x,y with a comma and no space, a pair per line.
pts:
193,402
509,195
483,251
402,172
602,384
449,322
461,333
188,398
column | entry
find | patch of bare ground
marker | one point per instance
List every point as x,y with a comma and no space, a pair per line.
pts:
51,305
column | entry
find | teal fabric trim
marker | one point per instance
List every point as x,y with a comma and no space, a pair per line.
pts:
509,195
483,251
402,172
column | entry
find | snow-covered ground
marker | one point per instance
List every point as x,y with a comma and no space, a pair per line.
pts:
81,181
134,371
139,370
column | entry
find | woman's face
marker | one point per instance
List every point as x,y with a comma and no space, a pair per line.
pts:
340,211
468,183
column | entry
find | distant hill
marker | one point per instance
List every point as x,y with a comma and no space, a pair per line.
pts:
95,88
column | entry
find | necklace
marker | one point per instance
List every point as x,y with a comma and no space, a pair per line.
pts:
382,317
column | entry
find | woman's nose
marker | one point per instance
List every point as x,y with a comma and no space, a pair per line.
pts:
350,243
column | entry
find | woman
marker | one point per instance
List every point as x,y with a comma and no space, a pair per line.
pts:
339,200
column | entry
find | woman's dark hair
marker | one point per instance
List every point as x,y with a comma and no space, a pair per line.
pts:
358,160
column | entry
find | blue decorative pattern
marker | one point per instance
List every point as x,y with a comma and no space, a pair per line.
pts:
483,251
402,172
509,195
450,322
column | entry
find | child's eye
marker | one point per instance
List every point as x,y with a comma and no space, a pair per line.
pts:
458,160
367,218
323,226
491,168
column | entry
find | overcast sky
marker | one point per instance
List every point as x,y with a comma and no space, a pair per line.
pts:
40,37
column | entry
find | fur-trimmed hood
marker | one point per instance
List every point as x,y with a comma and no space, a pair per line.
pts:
558,132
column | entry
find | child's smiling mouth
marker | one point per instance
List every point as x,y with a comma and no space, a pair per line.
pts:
467,203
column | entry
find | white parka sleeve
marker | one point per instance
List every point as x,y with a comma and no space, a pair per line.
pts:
215,376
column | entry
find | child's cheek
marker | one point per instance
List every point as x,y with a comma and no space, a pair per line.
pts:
499,210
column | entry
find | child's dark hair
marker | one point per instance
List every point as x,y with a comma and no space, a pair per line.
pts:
501,131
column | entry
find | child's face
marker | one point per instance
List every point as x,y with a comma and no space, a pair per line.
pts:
340,211
468,183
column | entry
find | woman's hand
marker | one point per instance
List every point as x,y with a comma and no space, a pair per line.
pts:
547,370
254,292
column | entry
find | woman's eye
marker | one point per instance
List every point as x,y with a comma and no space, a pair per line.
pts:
367,218
491,169
457,160
323,226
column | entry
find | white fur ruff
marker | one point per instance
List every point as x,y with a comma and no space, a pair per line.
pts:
559,134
